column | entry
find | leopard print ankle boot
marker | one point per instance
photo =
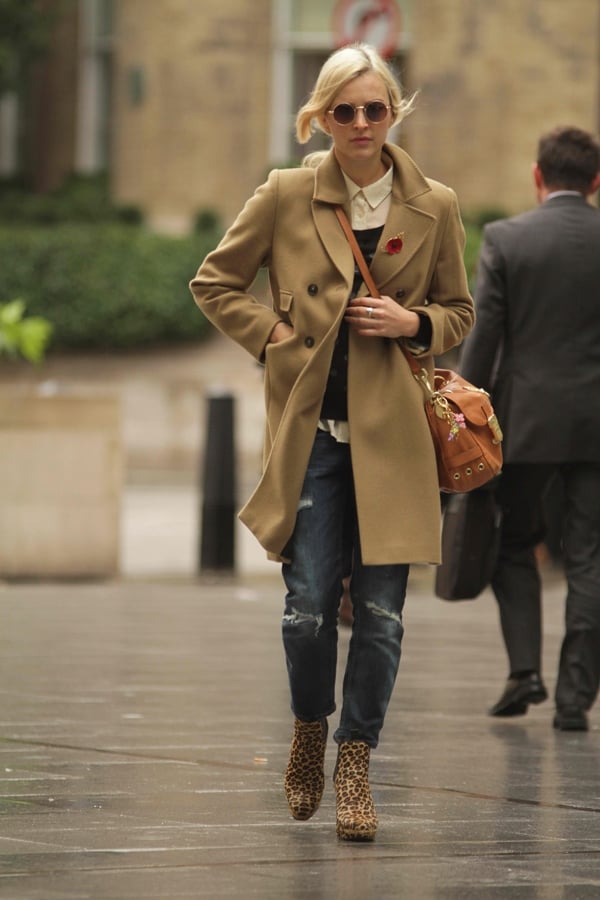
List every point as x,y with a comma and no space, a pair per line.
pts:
304,777
356,819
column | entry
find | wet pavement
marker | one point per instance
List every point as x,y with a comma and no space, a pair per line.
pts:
145,730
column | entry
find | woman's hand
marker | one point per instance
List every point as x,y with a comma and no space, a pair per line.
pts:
281,332
381,317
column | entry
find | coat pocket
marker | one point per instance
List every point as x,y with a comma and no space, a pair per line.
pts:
285,305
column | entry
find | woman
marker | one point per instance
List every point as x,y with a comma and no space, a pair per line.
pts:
349,470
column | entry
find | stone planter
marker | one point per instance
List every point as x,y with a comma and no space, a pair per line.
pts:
60,485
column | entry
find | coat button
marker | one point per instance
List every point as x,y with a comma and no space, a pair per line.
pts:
309,342
400,294
313,289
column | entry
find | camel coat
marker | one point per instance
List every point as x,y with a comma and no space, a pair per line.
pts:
289,227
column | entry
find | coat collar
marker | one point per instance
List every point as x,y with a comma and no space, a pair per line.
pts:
404,217
374,193
409,181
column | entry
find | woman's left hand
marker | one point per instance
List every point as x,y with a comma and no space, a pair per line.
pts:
381,317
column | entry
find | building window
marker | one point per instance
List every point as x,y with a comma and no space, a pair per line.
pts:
9,121
92,152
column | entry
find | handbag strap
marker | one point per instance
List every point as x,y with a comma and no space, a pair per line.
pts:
368,280
358,255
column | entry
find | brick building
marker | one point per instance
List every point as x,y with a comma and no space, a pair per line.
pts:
188,103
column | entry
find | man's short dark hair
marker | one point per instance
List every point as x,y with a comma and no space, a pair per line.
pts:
569,159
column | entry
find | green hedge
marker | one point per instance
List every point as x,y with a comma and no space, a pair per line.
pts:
80,198
472,248
112,286
105,286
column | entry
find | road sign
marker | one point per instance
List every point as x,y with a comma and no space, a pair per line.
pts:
375,22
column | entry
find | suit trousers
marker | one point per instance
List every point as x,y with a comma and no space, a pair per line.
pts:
516,581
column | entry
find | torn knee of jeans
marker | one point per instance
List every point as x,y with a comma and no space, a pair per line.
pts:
305,503
382,612
295,617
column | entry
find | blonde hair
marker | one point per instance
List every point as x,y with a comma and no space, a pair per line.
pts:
341,67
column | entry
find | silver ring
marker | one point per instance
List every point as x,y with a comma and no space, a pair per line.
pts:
369,311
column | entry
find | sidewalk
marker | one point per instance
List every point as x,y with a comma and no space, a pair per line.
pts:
145,729
160,534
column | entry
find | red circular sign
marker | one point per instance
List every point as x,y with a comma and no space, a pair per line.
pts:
375,22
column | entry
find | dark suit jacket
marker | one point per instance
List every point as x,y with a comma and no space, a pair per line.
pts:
536,342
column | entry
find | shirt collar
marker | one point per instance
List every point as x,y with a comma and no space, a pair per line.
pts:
554,194
373,193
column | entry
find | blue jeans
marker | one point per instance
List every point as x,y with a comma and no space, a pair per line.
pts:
322,548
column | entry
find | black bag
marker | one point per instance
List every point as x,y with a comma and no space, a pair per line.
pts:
470,543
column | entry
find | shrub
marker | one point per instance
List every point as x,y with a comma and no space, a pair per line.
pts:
22,335
480,216
472,248
488,214
474,221
207,220
106,287
81,198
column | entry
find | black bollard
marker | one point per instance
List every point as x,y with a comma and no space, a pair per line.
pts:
217,541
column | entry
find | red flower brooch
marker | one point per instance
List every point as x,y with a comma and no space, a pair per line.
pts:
395,244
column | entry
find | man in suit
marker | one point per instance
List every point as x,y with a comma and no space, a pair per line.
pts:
536,348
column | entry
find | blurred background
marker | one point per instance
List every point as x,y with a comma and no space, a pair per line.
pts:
131,132
183,105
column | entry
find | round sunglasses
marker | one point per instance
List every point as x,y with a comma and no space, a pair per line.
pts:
345,113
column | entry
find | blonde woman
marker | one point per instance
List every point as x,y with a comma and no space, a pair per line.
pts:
349,469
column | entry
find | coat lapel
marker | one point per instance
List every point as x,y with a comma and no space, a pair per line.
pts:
330,190
404,217
413,225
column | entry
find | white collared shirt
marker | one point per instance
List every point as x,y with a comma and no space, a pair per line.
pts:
554,194
369,206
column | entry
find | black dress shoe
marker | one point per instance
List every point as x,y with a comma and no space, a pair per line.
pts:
518,694
570,718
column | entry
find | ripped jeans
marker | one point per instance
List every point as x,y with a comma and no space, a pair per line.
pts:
322,549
